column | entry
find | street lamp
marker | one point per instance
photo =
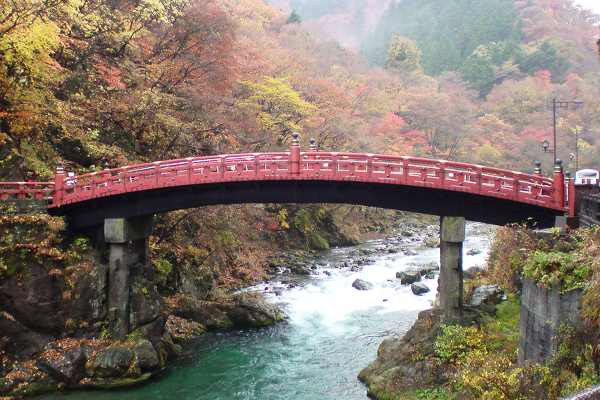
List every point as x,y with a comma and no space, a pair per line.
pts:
560,104
545,145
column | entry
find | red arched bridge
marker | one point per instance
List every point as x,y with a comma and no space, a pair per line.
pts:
422,185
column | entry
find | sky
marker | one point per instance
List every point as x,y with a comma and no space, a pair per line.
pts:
592,4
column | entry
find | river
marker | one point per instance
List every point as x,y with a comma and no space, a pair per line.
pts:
333,331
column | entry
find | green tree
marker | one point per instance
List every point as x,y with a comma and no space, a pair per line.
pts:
294,18
546,57
403,53
276,105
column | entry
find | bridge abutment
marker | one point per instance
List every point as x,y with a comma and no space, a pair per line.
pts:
450,287
127,241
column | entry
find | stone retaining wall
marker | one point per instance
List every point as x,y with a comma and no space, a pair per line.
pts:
543,312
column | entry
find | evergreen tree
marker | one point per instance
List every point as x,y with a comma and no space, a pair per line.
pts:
294,18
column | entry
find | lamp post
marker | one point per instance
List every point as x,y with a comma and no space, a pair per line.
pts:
545,145
556,104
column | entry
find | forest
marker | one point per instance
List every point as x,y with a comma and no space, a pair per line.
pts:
130,81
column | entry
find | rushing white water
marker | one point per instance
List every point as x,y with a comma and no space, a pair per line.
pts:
333,331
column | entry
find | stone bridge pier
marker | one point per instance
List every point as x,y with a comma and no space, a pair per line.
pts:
450,285
127,241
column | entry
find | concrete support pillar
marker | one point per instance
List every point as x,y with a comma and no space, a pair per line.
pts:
450,288
127,241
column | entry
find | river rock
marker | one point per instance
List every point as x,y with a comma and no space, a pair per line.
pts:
19,340
300,269
431,236
400,361
473,272
25,378
431,241
410,252
428,268
206,313
408,276
487,294
111,362
64,361
419,288
360,284
146,356
250,309
473,252
181,328
407,232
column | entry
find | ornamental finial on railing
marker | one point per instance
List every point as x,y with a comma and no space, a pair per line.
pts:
558,168
105,165
59,167
295,141
313,145
538,168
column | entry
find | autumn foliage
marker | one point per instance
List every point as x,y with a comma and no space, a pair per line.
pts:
88,81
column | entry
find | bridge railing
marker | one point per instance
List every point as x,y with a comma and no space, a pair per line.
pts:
312,165
187,171
439,174
26,190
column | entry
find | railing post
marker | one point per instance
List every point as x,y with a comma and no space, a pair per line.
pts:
442,172
59,181
571,196
558,184
515,184
294,167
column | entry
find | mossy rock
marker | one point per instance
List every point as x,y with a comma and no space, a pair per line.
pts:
317,242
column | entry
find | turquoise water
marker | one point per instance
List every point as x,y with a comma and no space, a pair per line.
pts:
333,331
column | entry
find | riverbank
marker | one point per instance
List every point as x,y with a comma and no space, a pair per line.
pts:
332,332
53,288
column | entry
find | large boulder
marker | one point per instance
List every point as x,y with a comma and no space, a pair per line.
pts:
250,309
205,313
86,303
18,340
360,284
419,288
146,356
487,294
428,268
408,276
181,328
33,296
300,269
241,309
64,361
111,362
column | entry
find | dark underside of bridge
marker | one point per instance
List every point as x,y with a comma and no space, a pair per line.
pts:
424,200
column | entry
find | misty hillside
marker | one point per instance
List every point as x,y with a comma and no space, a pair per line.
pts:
349,21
